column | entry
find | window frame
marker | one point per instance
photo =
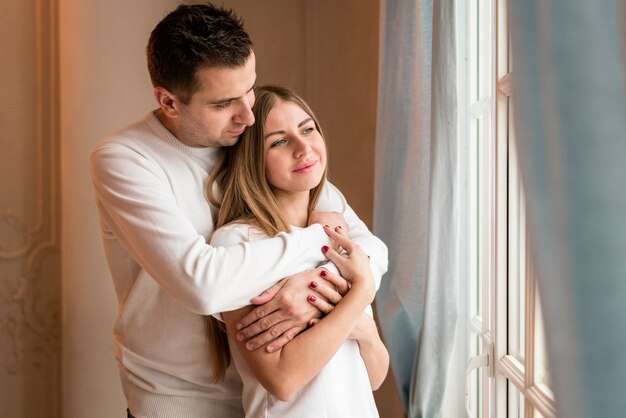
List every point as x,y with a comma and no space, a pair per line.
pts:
495,224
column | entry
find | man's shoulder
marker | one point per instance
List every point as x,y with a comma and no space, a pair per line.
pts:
135,136
331,199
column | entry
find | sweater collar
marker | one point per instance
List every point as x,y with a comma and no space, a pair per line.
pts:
167,136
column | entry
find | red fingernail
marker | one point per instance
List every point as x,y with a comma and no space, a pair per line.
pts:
324,249
326,226
311,322
338,227
323,273
313,284
312,298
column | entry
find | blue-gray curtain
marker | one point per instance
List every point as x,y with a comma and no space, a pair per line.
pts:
416,196
570,116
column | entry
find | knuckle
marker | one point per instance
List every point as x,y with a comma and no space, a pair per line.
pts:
264,323
274,331
259,313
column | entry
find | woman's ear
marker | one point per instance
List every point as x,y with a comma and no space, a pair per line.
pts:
167,101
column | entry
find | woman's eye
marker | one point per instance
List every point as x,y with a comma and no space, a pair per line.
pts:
308,130
278,143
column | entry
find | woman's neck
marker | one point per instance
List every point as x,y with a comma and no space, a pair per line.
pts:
295,208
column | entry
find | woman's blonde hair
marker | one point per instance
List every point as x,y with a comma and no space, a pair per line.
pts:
238,187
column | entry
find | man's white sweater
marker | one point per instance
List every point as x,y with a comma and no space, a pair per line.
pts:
155,222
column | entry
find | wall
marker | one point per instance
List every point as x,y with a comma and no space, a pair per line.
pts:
105,86
30,273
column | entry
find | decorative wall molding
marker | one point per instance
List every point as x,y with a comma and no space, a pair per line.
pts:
30,283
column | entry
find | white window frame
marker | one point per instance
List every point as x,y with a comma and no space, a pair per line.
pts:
496,250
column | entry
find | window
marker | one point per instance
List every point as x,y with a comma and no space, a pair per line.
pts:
507,372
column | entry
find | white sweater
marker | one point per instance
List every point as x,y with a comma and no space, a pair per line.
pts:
155,221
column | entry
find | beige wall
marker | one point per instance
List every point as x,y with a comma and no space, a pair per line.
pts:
326,50
30,273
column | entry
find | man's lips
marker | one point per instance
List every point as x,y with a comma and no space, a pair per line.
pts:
237,131
304,167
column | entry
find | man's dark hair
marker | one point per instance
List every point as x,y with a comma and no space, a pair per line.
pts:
193,37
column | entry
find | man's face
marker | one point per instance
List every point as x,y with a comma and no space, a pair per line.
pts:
220,110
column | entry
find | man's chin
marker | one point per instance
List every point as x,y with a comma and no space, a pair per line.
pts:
229,141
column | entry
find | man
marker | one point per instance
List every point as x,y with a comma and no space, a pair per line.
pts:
149,182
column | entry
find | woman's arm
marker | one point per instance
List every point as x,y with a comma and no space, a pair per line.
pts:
373,351
365,332
285,371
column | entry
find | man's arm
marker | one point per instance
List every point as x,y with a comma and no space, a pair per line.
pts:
137,206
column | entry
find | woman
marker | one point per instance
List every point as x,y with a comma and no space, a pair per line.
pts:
271,181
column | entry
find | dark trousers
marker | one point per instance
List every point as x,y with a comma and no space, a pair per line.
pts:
129,414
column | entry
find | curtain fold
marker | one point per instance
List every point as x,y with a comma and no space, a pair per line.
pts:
570,116
416,196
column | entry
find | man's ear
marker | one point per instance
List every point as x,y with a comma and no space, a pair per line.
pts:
167,101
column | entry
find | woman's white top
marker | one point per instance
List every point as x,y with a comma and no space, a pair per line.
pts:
341,389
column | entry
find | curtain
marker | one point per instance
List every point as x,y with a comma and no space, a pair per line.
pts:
570,117
416,196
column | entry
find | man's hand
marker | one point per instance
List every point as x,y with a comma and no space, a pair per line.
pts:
283,312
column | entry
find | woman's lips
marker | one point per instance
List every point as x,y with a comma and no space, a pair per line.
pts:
304,167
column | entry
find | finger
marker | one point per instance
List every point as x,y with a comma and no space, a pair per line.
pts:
261,325
284,339
326,291
321,304
267,294
313,322
342,240
270,335
257,313
334,256
339,282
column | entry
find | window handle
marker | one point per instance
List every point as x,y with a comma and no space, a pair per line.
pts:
474,363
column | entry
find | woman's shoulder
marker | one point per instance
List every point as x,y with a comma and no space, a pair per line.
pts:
235,233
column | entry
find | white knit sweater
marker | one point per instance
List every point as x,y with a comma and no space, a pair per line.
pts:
155,221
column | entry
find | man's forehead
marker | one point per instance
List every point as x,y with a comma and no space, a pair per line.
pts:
223,83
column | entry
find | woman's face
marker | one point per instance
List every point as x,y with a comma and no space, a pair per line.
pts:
295,152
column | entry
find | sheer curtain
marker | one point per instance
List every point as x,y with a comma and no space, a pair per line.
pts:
416,196
570,117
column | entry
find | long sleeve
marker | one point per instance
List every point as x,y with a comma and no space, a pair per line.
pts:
138,208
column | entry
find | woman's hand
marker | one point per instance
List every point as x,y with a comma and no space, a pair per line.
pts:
354,266
332,287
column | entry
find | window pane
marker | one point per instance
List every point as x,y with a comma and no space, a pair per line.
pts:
541,358
476,387
515,402
472,235
517,273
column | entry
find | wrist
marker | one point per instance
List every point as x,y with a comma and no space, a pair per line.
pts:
363,289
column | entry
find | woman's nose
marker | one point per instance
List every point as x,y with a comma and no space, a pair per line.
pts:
302,147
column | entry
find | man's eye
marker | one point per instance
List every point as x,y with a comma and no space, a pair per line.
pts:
223,105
